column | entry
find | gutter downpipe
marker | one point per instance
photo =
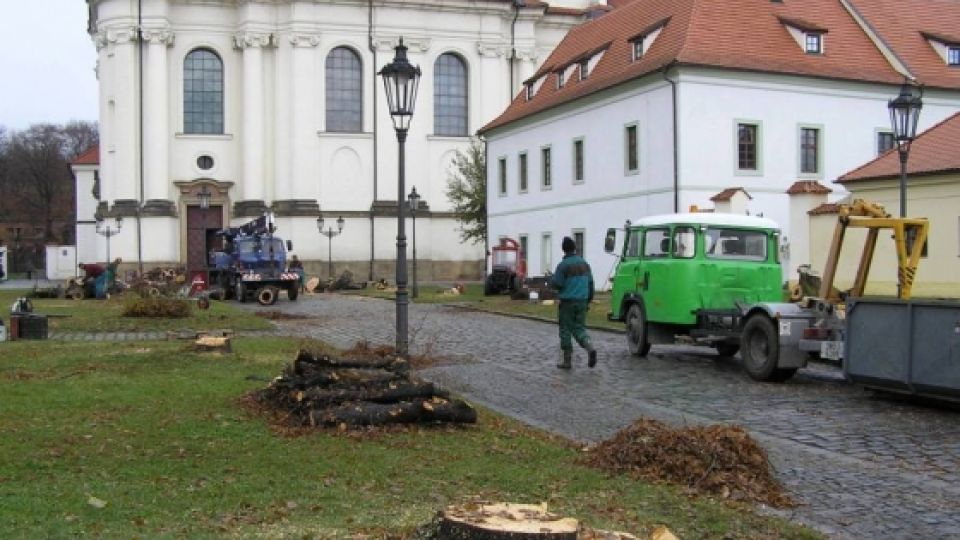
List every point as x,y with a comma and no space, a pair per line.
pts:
140,133
676,137
517,4
373,63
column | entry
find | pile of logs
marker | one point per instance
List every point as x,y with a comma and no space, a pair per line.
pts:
320,390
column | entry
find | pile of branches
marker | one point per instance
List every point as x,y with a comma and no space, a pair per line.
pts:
359,390
156,307
160,282
719,460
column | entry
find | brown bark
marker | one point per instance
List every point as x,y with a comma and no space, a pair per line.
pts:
506,521
403,412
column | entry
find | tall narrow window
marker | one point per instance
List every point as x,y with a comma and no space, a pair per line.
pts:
637,50
502,175
344,91
523,172
203,93
545,177
578,239
523,249
546,253
747,147
584,68
631,148
884,141
450,96
578,161
809,150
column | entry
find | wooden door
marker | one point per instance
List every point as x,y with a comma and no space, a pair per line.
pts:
202,227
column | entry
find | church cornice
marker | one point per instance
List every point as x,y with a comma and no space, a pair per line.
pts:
417,44
247,39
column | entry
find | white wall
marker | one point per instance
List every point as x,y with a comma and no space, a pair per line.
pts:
61,262
4,262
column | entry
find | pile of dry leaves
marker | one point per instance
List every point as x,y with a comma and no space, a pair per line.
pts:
719,460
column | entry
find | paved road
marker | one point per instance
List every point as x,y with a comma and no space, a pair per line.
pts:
864,466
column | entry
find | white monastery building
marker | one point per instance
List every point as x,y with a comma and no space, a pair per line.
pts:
663,106
276,105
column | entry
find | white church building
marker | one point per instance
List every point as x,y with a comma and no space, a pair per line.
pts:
276,105
658,107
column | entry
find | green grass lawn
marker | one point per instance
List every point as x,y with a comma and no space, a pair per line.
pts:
105,316
474,298
147,439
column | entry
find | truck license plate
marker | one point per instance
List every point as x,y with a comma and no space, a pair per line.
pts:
831,350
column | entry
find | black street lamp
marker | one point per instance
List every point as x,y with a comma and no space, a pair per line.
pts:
400,80
330,233
414,199
104,229
904,113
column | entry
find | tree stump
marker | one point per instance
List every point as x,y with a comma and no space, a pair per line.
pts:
212,344
505,521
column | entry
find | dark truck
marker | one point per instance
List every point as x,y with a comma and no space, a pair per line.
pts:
253,264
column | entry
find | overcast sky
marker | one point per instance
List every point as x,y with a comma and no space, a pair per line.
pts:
47,63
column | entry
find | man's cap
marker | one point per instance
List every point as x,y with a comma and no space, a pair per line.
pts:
568,245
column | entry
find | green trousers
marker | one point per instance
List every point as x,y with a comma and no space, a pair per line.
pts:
573,323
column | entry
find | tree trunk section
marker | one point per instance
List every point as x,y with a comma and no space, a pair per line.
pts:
506,521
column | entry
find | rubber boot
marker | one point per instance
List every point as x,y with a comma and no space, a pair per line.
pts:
591,357
566,360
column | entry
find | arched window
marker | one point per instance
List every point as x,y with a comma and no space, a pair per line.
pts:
344,91
450,96
202,92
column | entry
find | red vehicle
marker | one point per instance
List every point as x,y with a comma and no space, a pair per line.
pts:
508,268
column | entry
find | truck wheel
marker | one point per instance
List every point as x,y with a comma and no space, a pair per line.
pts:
727,349
240,291
760,349
637,339
293,291
267,296
489,288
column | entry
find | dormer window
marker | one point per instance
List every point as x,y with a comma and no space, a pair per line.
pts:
947,47
953,56
808,36
814,43
560,79
584,68
637,50
529,89
641,43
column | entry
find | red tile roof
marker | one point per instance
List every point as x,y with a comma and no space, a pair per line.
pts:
747,35
825,208
728,194
90,157
933,152
801,187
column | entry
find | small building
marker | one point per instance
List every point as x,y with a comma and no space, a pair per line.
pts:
933,192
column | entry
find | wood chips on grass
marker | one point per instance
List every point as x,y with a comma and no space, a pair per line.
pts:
718,460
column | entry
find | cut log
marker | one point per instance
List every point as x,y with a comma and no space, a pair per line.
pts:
307,360
388,394
505,521
212,344
365,413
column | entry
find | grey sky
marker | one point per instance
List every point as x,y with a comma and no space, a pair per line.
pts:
47,63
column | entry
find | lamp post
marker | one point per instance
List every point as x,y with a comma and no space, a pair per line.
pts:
330,233
400,80
105,229
414,199
904,113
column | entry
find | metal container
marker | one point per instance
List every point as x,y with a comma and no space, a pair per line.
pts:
33,326
909,347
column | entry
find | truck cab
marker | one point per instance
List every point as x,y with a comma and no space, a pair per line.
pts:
683,276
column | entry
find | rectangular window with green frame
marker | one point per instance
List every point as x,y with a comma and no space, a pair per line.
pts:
811,150
546,177
631,146
578,160
522,164
747,147
502,176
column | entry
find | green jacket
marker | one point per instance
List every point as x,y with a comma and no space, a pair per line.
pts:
573,279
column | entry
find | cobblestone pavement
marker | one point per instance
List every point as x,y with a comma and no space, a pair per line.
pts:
863,466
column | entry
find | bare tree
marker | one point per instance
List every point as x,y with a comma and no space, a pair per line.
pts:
78,137
39,174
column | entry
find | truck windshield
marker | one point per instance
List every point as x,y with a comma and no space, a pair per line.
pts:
735,244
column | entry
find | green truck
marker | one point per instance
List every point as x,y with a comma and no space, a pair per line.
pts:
700,278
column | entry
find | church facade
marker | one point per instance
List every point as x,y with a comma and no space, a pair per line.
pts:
276,106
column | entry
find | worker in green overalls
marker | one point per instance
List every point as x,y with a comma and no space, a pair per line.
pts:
574,281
